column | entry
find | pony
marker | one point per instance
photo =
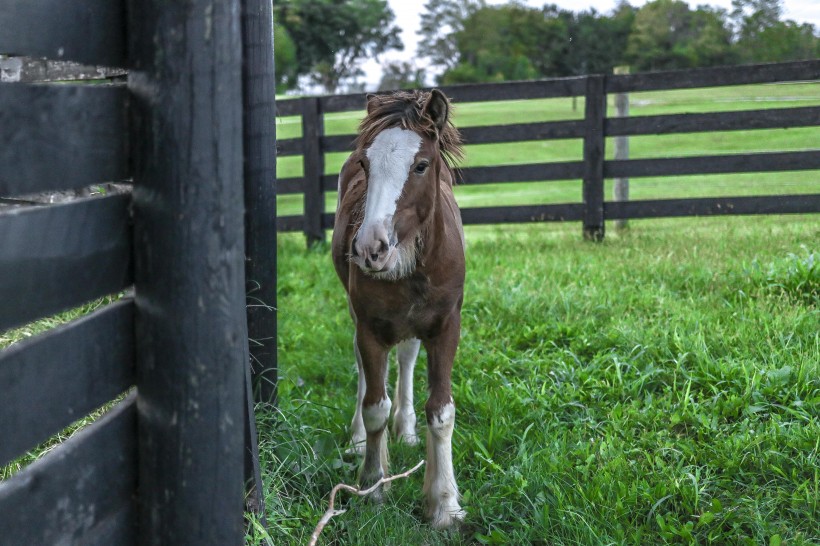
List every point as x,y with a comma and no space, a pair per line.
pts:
398,249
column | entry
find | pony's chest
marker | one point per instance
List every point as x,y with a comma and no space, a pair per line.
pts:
408,308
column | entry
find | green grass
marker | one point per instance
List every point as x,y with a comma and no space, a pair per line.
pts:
661,387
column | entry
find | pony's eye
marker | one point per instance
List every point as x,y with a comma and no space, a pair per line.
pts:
421,167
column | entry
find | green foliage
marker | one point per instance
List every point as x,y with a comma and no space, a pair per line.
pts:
401,75
668,35
331,37
284,53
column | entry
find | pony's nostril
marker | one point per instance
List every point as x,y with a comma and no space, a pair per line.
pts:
384,246
374,257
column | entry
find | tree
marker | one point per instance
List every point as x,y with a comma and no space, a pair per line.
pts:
761,36
441,22
401,75
668,35
284,53
333,36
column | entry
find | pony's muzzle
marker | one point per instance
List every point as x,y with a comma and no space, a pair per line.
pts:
371,249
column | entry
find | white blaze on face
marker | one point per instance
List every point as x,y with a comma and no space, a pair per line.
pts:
390,155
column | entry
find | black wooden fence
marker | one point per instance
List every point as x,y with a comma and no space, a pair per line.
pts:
593,129
168,464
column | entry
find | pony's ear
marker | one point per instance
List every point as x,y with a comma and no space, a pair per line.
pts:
371,99
437,108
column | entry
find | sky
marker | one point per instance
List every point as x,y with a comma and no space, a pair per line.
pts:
408,13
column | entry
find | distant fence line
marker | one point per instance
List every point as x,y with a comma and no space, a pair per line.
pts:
593,129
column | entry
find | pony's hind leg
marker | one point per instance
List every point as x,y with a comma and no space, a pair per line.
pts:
375,412
357,431
404,414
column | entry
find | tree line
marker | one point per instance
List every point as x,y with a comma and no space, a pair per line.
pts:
468,41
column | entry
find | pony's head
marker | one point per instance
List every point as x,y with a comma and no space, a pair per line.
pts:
405,141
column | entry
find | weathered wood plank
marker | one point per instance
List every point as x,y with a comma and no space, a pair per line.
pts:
710,206
716,164
715,77
775,118
314,168
594,142
189,269
290,185
48,382
531,172
59,256
90,32
82,492
290,223
522,214
58,137
289,146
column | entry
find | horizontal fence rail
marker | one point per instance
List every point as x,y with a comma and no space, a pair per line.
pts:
56,257
50,381
80,493
58,137
592,130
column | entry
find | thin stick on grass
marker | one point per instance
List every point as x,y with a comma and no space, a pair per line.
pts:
356,491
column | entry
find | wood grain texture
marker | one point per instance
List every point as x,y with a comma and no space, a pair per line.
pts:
82,492
594,143
59,256
714,164
314,168
90,32
186,85
50,381
58,137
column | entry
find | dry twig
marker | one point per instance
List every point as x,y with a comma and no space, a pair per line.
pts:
356,491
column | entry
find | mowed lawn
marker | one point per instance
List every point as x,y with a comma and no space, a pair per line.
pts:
660,387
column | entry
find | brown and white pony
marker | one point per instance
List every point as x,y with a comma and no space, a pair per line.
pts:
398,248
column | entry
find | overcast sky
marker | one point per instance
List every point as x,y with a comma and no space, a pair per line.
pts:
408,12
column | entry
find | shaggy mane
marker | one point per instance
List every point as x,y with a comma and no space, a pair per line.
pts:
405,109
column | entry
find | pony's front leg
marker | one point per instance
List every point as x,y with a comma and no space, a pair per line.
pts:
404,415
375,410
357,432
440,489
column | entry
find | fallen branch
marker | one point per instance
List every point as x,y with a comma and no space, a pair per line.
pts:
356,491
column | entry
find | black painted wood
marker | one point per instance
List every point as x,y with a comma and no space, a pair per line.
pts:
90,32
290,223
716,164
60,256
774,118
593,186
289,185
289,146
57,137
82,492
565,170
189,269
710,206
50,381
715,77
523,214
259,89
259,142
314,168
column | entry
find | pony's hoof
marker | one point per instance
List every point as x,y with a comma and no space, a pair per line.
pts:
446,516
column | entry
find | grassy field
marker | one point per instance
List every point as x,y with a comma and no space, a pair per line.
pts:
661,387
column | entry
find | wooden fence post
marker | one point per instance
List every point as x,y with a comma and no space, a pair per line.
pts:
314,168
620,190
259,136
191,331
593,189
